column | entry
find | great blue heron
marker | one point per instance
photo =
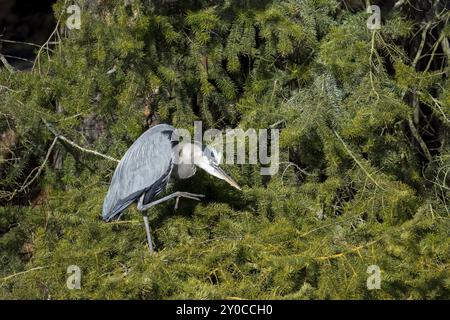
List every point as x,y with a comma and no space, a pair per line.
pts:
144,171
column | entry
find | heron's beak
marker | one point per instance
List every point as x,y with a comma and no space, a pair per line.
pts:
222,175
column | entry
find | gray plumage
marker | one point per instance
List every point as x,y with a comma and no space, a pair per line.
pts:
145,168
144,171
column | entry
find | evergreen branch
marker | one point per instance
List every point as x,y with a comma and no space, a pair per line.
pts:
302,235
343,254
356,160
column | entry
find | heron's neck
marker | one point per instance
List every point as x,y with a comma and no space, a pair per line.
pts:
185,167
183,171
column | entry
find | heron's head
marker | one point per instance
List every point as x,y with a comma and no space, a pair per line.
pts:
208,159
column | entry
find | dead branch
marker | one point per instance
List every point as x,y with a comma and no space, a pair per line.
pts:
41,167
20,273
73,144
37,61
343,254
29,180
6,63
419,139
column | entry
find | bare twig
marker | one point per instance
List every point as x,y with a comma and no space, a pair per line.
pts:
33,176
422,43
20,273
372,52
2,87
399,3
28,181
302,235
276,124
124,222
45,45
17,58
419,139
41,167
440,40
342,254
289,164
73,144
21,42
416,105
446,48
6,63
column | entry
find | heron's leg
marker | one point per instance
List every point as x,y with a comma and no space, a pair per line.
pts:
147,230
178,194
144,208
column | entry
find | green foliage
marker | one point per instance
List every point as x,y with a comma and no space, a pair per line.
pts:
355,187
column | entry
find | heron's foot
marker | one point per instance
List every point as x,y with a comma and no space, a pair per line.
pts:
187,195
194,196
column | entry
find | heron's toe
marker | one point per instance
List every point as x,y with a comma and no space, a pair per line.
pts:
193,198
198,195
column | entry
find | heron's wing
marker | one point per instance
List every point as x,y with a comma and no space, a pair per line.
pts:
145,168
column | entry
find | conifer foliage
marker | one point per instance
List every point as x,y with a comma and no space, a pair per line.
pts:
364,150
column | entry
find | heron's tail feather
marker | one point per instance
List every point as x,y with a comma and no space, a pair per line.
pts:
116,212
